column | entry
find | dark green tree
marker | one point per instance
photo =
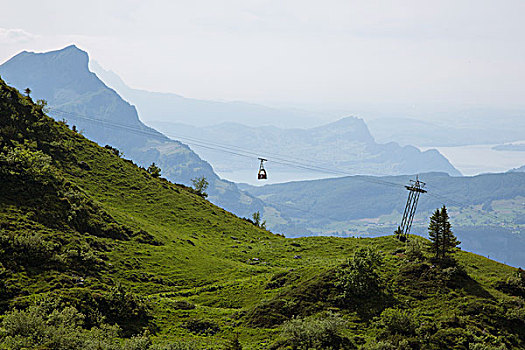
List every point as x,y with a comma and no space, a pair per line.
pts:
27,91
442,240
154,170
200,184
449,240
435,234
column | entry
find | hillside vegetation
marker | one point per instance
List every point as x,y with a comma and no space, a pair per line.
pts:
98,254
488,210
75,94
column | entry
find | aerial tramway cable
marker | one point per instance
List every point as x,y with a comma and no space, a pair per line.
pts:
276,158
237,151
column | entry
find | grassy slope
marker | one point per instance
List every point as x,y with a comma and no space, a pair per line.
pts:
487,211
206,255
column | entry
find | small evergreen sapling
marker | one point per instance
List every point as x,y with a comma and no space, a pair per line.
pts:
154,170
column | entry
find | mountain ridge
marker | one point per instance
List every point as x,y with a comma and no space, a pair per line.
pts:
74,93
344,147
154,105
359,137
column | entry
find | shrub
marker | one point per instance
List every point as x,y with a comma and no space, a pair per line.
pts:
28,249
24,162
141,342
479,346
359,277
183,305
315,333
396,321
201,326
381,345
21,323
113,150
234,344
414,250
177,345
124,308
44,327
514,285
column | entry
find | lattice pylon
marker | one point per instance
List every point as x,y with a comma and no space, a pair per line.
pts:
415,188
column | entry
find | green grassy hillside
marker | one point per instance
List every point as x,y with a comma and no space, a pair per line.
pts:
488,210
98,254
76,94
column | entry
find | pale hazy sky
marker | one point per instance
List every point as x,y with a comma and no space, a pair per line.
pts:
332,54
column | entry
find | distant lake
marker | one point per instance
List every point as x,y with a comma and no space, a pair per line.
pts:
478,159
470,160
277,176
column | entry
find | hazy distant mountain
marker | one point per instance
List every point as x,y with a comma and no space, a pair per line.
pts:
451,128
471,127
518,170
74,93
515,147
62,78
158,106
487,211
345,145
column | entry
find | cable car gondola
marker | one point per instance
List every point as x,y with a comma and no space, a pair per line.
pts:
261,175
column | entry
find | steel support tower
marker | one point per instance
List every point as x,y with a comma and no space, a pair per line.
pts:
415,188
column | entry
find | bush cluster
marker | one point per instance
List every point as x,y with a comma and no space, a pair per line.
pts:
322,332
47,326
359,278
201,326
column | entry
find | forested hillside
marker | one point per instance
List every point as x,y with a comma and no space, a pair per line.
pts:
98,253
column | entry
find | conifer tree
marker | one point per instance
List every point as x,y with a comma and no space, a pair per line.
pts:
449,240
442,240
154,170
434,234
